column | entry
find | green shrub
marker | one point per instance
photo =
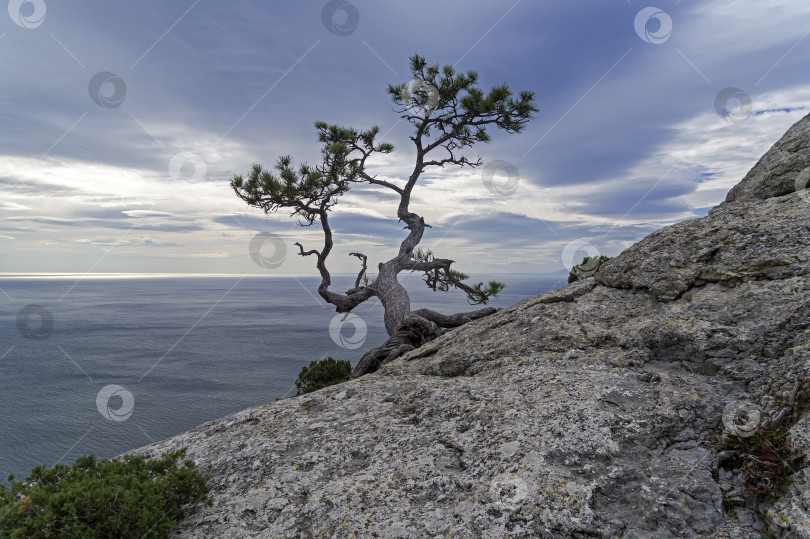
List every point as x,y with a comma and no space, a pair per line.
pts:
767,458
132,497
586,265
322,373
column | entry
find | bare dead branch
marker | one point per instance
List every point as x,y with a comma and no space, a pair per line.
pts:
362,273
306,253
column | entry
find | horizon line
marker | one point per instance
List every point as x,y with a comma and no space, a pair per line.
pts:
153,275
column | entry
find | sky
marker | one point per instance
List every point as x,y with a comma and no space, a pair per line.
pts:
124,122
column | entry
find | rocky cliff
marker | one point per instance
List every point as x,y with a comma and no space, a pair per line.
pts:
593,411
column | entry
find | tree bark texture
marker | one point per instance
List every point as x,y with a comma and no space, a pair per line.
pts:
417,328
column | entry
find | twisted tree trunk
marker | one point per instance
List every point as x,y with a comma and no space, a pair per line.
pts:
413,332
450,114
415,329
392,295
407,329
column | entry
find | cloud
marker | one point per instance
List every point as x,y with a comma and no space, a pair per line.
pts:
243,221
146,213
127,242
12,206
626,141
47,222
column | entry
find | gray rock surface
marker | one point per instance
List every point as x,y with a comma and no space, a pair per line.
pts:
591,411
782,170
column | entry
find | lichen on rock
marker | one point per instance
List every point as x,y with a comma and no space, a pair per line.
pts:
590,411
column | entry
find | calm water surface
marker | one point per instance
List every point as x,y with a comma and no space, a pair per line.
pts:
181,351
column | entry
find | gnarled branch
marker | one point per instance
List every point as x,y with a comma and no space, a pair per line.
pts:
306,253
439,276
362,274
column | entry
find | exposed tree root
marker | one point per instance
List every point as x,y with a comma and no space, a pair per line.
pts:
417,328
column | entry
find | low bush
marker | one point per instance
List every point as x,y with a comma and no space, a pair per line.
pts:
322,373
587,266
131,497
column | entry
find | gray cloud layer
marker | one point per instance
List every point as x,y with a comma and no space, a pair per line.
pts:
627,138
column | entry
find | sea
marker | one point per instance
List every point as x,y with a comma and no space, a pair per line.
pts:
102,364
